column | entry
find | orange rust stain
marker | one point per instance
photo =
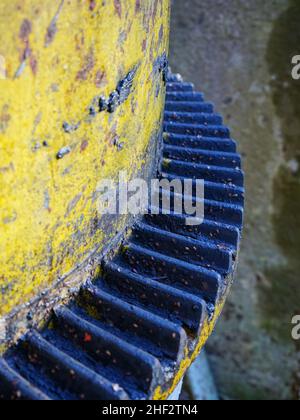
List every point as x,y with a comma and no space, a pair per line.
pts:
87,338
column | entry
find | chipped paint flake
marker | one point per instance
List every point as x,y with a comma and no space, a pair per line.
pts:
63,152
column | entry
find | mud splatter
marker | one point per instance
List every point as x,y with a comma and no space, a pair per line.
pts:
25,31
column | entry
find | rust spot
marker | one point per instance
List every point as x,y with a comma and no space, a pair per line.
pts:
89,63
79,41
33,64
25,30
87,338
118,7
92,5
144,45
137,6
84,145
100,79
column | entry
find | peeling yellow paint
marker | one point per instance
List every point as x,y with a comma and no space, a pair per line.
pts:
59,56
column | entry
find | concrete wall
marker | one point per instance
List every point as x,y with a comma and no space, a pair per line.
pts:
239,53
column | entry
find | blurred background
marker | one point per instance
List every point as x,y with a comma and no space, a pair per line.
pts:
239,53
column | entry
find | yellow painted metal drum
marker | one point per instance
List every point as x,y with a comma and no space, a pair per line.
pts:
58,58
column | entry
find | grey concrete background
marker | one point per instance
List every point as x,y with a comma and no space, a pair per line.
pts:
239,53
